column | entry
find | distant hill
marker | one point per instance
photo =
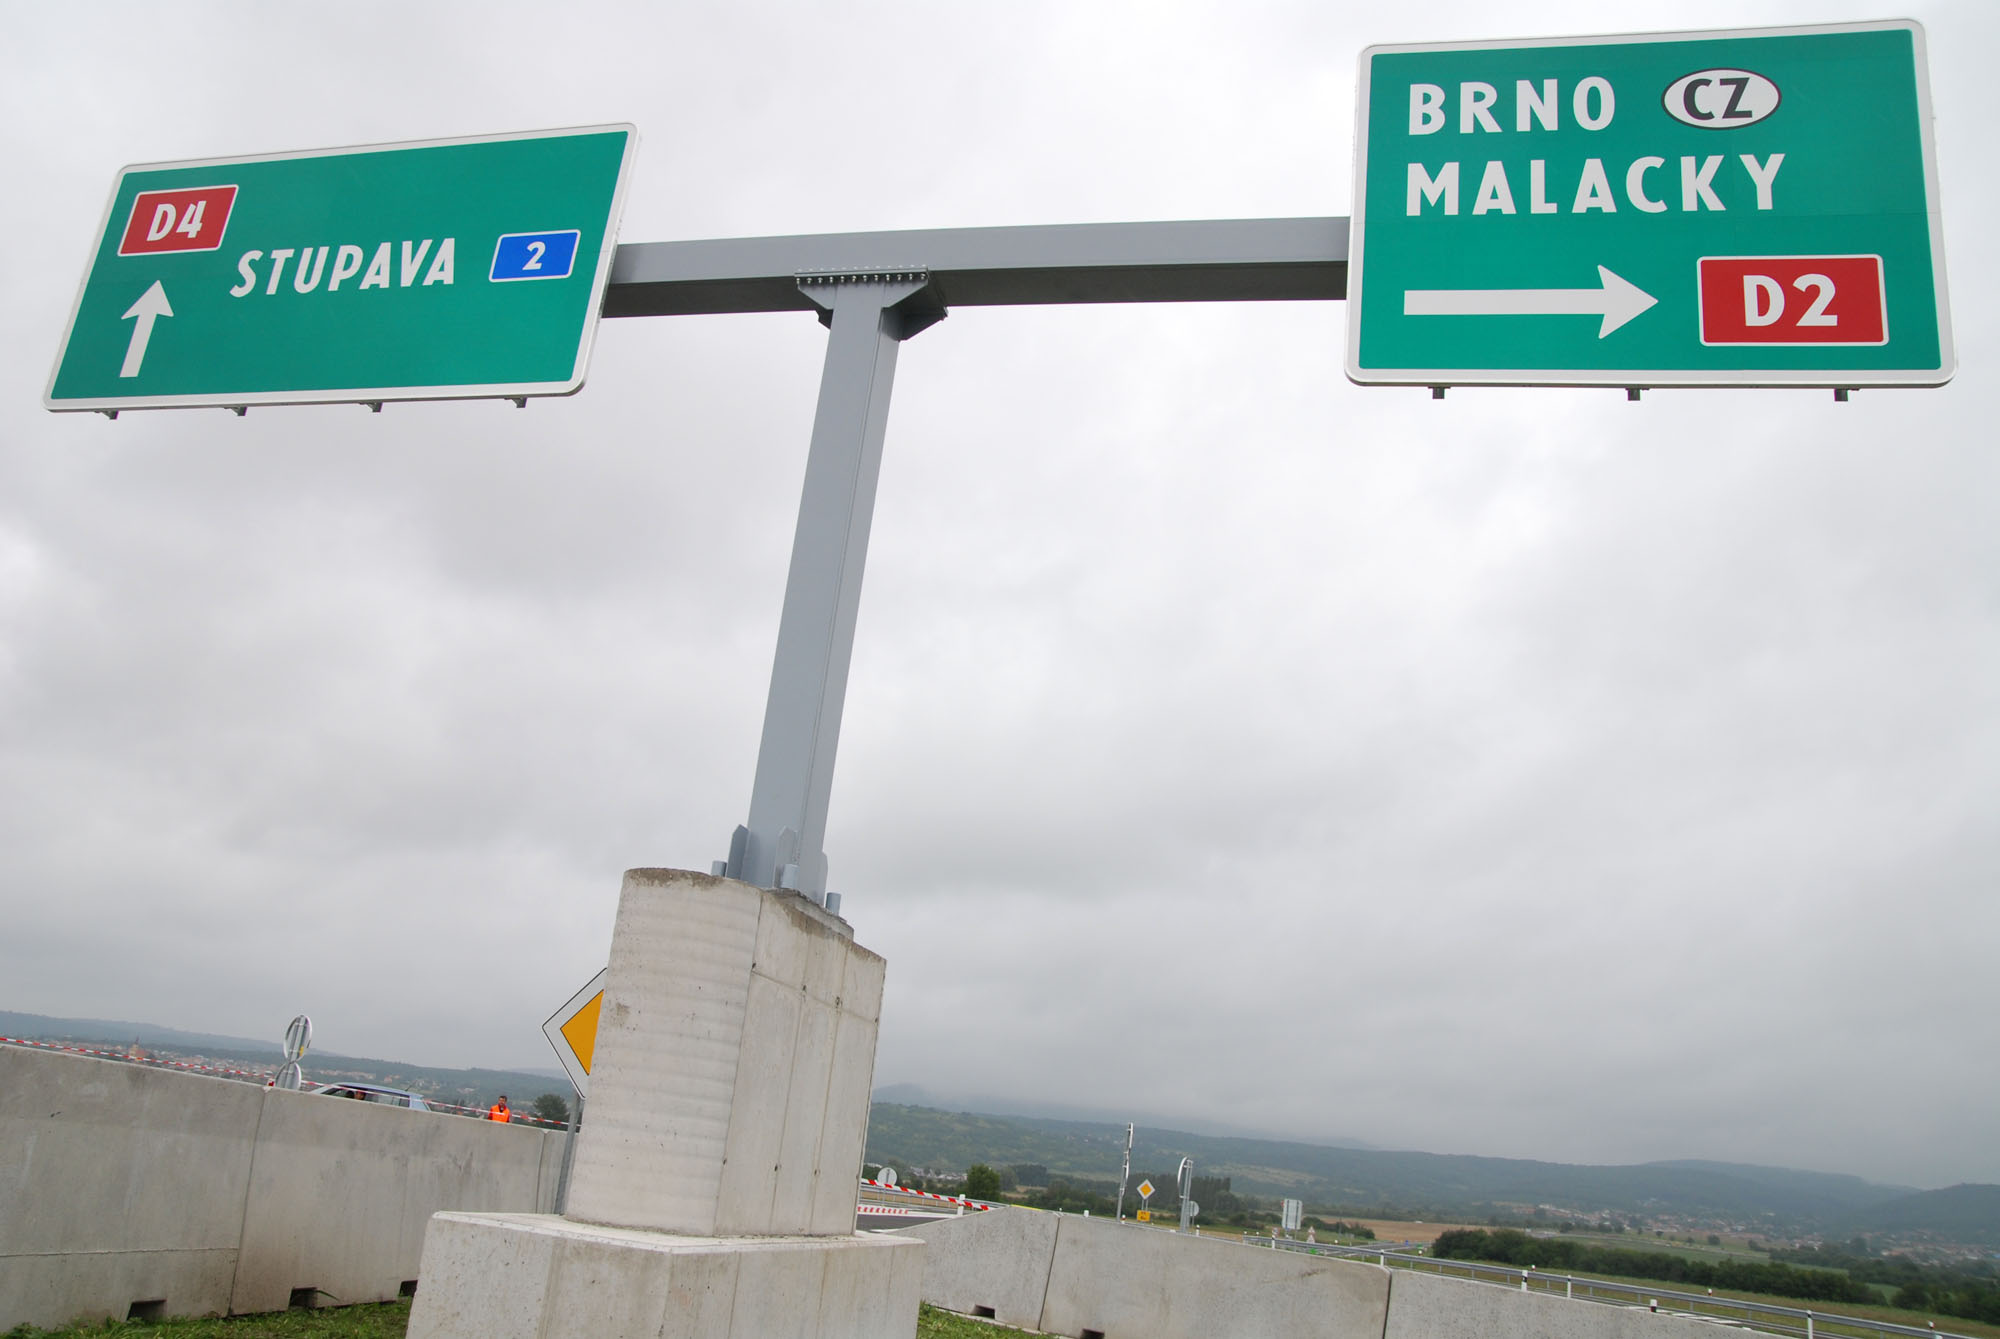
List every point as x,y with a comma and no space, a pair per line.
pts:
1419,1184
38,1027
1827,1188
914,1095
1966,1214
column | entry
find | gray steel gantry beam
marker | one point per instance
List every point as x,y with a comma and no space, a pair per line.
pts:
1225,260
872,291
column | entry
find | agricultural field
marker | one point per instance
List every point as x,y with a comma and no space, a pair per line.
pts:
1390,1230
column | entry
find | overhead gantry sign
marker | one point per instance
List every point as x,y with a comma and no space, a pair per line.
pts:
442,269
875,290
1751,208
1754,208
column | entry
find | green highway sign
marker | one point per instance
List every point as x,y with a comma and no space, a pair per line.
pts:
1746,208
429,270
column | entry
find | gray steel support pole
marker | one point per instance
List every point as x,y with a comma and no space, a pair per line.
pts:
869,315
569,1155
874,290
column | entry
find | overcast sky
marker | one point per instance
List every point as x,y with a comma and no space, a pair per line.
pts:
1531,773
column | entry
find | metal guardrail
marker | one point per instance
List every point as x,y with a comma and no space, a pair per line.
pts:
1764,1317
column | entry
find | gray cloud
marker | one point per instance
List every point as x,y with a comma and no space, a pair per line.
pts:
1528,773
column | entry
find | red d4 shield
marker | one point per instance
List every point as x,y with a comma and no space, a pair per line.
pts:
1793,300
184,220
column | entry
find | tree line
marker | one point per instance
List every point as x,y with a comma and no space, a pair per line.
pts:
1969,1292
1817,1273
1508,1246
1032,1185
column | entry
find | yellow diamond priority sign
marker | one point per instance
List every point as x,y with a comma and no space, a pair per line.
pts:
572,1030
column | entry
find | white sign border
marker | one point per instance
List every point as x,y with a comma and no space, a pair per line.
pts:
579,1077
1769,378
364,395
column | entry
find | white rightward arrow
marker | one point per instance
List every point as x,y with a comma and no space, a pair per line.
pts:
1617,301
150,307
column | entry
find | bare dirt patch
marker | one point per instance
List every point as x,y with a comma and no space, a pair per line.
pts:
1388,1230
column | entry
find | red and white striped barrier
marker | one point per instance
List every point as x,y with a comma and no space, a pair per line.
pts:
900,1211
959,1200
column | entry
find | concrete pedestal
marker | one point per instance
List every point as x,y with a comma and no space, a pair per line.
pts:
537,1276
714,1184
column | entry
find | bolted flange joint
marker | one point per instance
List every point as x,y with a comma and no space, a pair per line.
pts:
906,275
905,290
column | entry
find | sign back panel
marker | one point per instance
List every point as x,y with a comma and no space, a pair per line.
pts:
387,272
1746,208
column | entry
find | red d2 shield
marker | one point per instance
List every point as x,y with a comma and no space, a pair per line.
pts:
1793,300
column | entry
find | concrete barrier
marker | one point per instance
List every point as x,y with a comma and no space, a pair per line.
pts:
117,1182
340,1193
1116,1279
1081,1276
123,1184
993,1264
1085,1277
1427,1306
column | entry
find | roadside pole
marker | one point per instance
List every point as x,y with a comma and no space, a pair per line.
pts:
569,1156
1125,1175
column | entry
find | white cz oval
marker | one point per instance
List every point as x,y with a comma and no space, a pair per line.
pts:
1720,99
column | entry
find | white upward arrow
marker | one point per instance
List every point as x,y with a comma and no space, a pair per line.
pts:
1617,301
150,307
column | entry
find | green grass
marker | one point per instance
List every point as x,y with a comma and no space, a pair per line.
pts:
935,1324
387,1321
1635,1241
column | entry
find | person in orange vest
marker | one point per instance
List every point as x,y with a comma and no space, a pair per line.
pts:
499,1111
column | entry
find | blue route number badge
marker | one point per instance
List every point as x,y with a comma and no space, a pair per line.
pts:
534,255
